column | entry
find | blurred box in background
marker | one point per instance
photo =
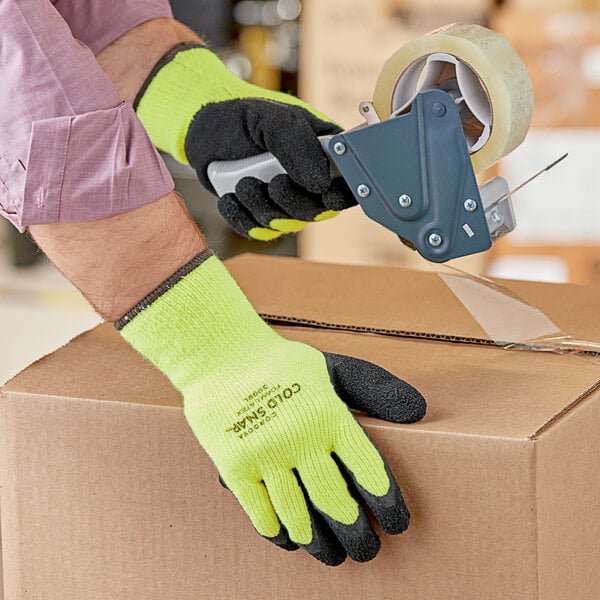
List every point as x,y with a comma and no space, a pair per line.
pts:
558,216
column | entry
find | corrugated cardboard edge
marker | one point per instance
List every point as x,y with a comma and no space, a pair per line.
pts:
275,320
567,409
294,321
565,467
420,335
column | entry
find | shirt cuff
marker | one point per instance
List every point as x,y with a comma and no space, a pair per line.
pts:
82,168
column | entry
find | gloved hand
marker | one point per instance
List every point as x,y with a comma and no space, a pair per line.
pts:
272,414
195,109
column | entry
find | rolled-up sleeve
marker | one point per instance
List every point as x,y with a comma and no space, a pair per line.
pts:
70,148
97,23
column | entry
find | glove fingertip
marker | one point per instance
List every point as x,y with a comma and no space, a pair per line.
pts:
283,541
372,389
408,405
338,196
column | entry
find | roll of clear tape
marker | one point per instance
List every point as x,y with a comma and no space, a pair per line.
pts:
490,61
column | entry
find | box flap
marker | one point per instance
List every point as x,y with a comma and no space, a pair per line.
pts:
393,300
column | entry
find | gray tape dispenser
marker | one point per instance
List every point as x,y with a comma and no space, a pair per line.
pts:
445,107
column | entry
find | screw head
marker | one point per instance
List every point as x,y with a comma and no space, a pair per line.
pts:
339,148
470,205
438,109
435,239
363,190
405,201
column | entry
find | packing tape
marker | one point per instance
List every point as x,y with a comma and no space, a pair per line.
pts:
508,320
482,71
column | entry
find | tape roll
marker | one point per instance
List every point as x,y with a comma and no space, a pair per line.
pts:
483,73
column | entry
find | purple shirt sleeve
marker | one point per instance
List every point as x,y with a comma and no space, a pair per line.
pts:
97,23
70,148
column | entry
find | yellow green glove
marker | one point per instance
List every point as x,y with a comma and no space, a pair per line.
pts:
272,414
195,109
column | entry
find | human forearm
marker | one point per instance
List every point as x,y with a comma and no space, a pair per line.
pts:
116,261
130,58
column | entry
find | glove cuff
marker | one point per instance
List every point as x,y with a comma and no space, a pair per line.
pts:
195,323
165,286
164,59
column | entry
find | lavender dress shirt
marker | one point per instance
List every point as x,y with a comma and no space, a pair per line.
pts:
70,148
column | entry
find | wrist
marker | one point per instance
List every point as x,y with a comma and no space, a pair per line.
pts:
130,58
197,322
114,262
185,79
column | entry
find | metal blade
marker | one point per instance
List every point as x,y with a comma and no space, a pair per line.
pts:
535,176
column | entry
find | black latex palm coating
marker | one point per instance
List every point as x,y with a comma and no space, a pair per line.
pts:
333,541
338,196
371,389
251,208
390,510
252,195
324,546
292,199
279,199
282,540
245,127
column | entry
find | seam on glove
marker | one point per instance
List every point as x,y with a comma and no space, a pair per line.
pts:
165,286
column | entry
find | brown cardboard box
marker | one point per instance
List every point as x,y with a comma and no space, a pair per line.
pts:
106,494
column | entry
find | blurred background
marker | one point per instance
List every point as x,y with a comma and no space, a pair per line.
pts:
330,53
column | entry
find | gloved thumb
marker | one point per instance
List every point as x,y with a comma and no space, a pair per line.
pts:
370,388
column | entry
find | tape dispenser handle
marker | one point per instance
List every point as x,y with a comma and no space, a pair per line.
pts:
224,175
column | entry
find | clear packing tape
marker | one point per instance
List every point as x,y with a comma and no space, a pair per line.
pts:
509,321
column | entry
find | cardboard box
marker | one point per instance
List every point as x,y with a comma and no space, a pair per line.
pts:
106,494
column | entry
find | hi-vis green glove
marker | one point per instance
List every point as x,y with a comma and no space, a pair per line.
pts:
195,109
272,414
